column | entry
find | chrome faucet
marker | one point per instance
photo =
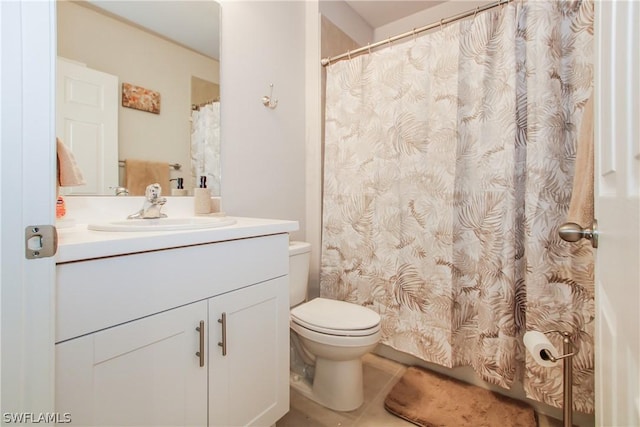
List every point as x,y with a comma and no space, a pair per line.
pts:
120,191
152,205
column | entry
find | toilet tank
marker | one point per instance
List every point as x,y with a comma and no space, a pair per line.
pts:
299,256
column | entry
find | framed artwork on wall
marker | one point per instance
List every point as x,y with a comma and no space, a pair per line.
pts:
140,98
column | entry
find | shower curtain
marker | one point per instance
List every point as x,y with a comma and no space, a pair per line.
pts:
205,145
448,170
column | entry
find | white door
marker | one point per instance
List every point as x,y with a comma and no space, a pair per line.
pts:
27,170
617,184
141,373
87,122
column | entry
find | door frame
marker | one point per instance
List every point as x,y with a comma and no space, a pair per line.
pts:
27,177
617,207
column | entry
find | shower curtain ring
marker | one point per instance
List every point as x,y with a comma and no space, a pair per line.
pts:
369,48
389,41
414,34
441,27
476,12
349,54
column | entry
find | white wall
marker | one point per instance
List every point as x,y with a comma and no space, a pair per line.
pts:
344,17
263,150
426,17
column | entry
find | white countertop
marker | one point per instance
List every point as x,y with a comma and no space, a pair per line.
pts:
78,243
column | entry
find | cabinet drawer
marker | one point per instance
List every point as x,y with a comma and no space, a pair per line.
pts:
97,294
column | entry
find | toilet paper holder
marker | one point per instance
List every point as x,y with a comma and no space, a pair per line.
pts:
567,347
567,374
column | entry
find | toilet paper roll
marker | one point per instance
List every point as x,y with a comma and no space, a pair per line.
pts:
537,343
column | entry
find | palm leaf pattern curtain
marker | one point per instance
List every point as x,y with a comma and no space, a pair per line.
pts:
448,170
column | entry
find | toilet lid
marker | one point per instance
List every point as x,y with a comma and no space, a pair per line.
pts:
336,317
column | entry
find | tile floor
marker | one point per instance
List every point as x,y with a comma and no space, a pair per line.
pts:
380,375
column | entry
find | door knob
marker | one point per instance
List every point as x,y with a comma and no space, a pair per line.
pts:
572,232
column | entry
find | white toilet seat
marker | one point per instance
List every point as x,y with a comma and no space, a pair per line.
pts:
338,318
337,340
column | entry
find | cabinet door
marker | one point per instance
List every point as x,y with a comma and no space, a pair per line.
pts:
250,384
141,373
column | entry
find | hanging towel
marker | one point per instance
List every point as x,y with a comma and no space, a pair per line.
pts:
69,174
140,173
581,207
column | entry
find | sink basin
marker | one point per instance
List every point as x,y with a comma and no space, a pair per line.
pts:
163,224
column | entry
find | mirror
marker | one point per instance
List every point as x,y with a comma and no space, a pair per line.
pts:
168,49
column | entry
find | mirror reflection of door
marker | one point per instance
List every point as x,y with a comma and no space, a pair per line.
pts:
87,122
205,133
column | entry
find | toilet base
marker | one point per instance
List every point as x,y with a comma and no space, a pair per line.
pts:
336,385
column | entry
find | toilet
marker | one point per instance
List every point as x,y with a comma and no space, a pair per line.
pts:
328,338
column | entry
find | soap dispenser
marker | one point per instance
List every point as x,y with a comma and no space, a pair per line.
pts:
180,190
202,198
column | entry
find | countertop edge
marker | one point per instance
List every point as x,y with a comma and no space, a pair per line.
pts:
80,244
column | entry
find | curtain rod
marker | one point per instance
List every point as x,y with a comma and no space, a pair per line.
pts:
474,12
196,107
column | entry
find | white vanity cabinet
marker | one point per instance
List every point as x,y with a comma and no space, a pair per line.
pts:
128,329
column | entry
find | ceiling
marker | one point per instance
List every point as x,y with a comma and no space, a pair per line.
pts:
378,13
194,23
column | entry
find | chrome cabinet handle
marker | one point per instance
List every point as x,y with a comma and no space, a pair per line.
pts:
200,353
223,344
572,232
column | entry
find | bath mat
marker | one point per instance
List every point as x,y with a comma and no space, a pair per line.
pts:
429,399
